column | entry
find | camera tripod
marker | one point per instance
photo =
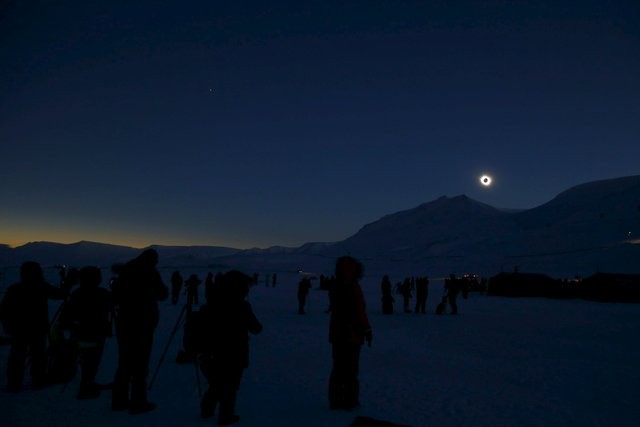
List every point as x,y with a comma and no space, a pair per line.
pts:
179,322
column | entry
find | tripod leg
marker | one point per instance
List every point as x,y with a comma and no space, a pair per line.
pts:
164,353
198,378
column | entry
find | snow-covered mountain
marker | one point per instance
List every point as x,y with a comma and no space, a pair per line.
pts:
436,235
588,228
597,214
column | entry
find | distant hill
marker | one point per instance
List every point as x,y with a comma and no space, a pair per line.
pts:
588,228
104,255
76,254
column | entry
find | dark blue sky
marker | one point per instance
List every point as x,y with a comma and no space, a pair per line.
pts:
260,123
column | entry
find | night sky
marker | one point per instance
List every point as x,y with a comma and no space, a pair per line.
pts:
243,124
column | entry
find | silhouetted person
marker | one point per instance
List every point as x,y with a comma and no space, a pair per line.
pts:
176,286
228,321
453,287
192,284
405,290
303,290
422,293
136,296
24,314
87,315
274,280
387,297
348,329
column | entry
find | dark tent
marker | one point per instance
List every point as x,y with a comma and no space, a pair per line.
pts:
524,285
611,287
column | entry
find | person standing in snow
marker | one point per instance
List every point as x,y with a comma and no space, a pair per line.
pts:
224,352
136,295
192,284
349,327
453,287
406,294
303,290
24,314
87,315
387,297
422,293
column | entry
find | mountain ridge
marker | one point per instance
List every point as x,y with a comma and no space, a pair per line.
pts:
581,227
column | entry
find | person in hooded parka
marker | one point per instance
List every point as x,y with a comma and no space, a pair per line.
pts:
349,328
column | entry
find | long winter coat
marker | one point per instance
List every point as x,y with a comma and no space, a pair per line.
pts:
136,295
349,322
227,327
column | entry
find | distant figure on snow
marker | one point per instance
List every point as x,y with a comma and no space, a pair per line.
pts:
453,287
192,284
348,329
303,290
405,289
422,293
387,297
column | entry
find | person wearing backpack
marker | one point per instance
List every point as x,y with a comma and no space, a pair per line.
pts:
24,313
87,315
223,345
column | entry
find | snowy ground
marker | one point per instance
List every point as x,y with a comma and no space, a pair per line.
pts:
501,362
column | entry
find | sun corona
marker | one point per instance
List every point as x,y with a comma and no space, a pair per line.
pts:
486,180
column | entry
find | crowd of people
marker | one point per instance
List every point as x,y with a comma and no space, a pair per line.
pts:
129,309
453,287
216,336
